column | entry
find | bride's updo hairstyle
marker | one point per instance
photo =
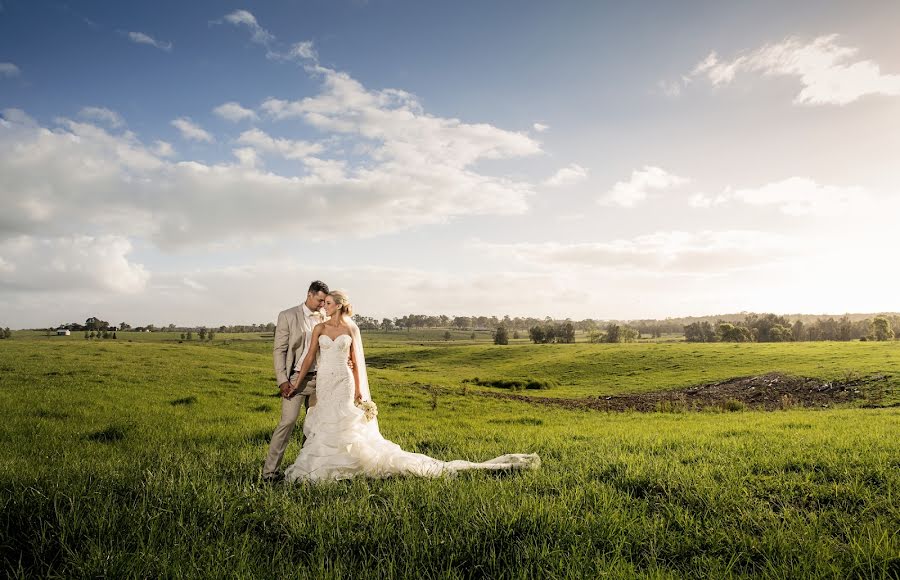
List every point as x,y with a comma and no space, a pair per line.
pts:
341,299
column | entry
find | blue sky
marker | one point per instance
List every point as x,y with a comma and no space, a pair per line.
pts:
200,162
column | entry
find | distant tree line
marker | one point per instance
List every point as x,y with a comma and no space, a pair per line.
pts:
775,328
102,334
561,333
743,327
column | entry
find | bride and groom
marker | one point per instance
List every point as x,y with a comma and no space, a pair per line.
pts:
320,364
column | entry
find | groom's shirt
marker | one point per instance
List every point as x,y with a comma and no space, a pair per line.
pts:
313,317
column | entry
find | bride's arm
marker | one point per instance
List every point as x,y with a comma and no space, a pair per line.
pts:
357,396
309,359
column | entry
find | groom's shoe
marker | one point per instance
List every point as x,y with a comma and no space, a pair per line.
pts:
276,477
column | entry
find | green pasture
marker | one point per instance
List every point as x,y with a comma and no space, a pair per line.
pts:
577,370
143,458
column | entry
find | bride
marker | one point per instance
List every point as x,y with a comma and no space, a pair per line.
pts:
341,440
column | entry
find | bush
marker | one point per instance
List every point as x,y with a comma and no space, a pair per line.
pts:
513,384
732,405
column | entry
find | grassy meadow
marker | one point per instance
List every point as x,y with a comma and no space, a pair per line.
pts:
142,457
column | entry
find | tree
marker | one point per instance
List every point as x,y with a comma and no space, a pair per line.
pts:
182,336
516,335
780,333
202,333
612,332
881,328
5,332
472,335
628,334
447,335
210,335
124,326
87,335
461,322
699,332
797,330
501,335
733,333
190,335
94,323
536,334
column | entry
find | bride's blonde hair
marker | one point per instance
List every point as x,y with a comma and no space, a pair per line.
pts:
341,298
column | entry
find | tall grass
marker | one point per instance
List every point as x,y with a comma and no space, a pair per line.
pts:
142,459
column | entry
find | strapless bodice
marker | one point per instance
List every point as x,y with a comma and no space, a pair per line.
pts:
337,349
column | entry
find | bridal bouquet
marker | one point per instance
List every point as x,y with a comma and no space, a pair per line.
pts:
369,408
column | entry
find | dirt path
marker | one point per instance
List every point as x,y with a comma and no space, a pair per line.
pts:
764,392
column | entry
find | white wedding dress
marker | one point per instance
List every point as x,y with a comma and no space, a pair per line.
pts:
341,443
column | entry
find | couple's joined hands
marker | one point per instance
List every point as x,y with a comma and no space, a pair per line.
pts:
288,388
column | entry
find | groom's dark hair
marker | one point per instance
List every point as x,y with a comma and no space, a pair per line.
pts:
318,286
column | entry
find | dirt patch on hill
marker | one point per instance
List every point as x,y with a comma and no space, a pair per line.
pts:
764,392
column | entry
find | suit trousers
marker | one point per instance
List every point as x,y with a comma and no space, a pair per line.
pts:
290,410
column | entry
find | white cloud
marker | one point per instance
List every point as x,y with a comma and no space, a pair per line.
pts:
259,35
234,112
303,50
637,189
569,175
802,196
102,114
706,253
70,263
192,131
402,134
797,196
8,69
142,38
194,285
718,72
540,127
286,148
415,169
163,149
245,18
670,88
828,72
703,200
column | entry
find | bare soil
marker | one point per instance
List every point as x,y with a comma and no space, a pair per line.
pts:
764,392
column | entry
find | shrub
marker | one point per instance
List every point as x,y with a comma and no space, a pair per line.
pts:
732,405
513,384
787,402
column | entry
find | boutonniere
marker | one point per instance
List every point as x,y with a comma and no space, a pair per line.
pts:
318,314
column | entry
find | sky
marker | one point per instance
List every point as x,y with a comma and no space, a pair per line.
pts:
199,163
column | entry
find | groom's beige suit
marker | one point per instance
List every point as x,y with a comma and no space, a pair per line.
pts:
292,334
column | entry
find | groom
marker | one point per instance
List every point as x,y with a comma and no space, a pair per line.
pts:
293,334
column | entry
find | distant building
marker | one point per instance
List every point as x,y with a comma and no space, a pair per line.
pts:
63,332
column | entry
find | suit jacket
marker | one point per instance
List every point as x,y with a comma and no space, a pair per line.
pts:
290,340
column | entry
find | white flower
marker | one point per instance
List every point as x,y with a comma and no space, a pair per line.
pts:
369,408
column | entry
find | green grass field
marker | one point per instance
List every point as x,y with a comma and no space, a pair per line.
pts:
143,458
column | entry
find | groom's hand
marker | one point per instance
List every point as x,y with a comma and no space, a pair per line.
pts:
350,363
285,389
